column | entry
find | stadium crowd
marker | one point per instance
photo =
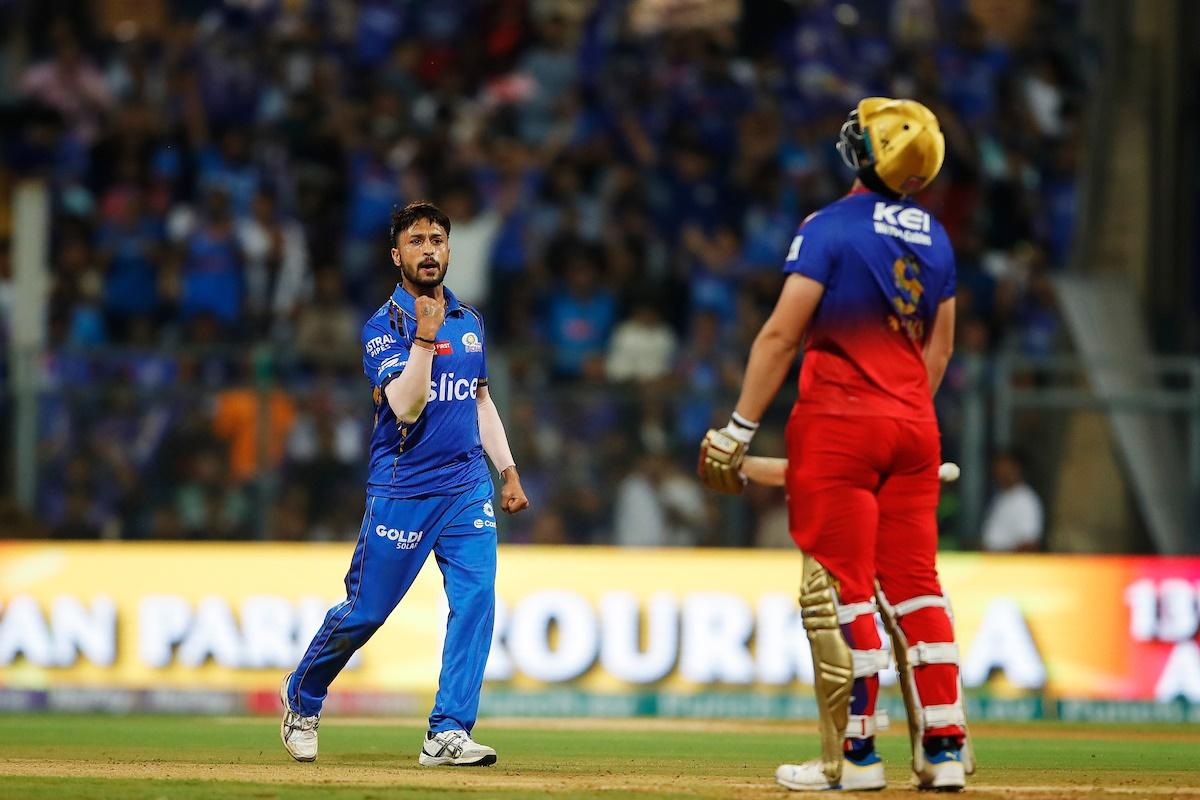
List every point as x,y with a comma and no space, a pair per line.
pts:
622,195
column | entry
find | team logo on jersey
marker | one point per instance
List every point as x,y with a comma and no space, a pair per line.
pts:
379,344
487,509
405,540
471,342
443,348
446,387
903,222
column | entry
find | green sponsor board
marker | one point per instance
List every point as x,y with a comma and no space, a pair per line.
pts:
1130,711
719,705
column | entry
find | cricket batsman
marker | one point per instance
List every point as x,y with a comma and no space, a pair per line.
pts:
869,294
429,490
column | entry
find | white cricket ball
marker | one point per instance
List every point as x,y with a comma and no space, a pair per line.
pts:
949,472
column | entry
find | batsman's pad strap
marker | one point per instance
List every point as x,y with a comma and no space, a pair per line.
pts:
852,611
869,662
933,653
862,727
942,716
905,607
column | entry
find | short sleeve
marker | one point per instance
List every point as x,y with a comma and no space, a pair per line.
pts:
384,354
812,252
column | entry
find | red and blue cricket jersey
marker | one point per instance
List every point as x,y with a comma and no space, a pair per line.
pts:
885,265
441,451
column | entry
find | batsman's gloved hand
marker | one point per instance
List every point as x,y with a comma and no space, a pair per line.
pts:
722,453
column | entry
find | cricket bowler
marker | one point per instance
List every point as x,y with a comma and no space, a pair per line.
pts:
429,490
869,295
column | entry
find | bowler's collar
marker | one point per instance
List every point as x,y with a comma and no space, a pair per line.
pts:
408,304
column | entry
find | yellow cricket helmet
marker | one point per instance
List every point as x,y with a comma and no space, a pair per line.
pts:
899,139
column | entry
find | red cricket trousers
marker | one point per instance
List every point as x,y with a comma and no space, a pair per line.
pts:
862,500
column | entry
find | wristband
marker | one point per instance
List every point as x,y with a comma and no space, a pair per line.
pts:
742,422
740,428
423,339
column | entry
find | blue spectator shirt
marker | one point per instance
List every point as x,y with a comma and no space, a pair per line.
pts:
131,286
579,328
212,275
441,451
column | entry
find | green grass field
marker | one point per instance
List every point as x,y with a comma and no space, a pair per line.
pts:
67,756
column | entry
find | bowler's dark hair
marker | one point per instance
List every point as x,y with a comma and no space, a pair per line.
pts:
403,218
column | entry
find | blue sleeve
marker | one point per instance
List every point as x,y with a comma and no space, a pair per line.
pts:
813,251
483,342
385,354
951,284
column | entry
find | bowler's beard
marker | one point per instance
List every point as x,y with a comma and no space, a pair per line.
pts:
414,276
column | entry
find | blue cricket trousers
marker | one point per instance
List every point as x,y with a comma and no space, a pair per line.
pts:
395,540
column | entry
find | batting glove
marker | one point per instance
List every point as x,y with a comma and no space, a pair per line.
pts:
722,453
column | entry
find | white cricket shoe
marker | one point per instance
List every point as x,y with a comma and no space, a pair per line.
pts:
455,749
943,772
299,733
857,776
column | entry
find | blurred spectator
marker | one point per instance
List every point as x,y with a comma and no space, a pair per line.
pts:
587,161
131,245
70,83
230,171
579,317
239,418
325,453
658,505
209,503
79,515
211,280
643,346
706,370
712,275
276,263
374,188
1014,519
551,64
473,235
328,327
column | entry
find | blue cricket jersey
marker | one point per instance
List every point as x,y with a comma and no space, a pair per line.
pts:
441,451
886,265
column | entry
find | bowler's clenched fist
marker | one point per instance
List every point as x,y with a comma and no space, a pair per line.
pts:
430,316
512,496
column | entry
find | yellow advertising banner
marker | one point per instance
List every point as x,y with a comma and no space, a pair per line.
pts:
236,616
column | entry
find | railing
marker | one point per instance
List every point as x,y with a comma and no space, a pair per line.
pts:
228,444
1167,387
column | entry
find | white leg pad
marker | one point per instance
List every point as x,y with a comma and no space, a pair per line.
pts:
943,715
933,653
869,662
862,727
851,611
906,607
922,718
